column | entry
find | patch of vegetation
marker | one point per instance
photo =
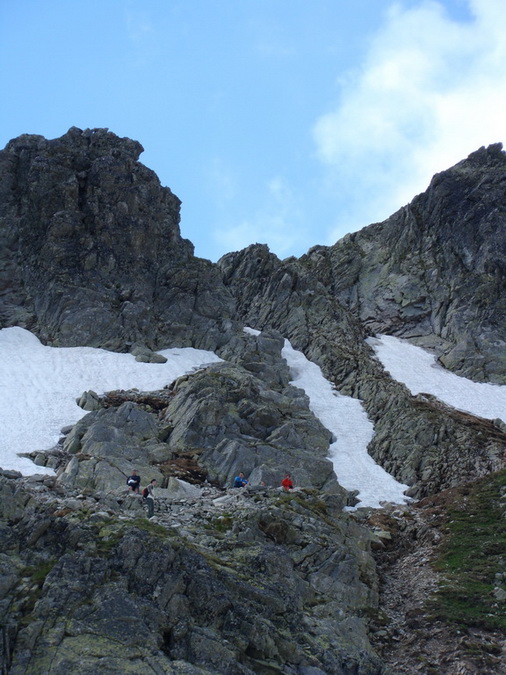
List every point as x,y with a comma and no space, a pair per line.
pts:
217,563
28,598
473,554
150,527
309,500
38,573
107,538
221,523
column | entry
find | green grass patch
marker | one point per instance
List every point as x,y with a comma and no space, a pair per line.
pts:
107,538
222,523
309,500
38,573
473,554
27,598
108,535
149,527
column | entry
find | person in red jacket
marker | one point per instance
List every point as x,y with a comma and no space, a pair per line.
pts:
287,483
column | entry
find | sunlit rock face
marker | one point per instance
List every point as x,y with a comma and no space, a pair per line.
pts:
91,252
435,271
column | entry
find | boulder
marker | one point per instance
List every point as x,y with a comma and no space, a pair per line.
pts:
110,443
230,421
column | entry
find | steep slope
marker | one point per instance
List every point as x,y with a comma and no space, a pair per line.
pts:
420,441
435,271
92,255
269,584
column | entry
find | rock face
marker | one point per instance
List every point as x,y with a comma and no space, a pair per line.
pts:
91,252
420,441
435,271
224,581
224,418
264,583
243,415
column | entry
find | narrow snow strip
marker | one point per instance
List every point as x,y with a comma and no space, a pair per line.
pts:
346,419
39,386
419,371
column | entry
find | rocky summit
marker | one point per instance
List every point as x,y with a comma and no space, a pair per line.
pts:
235,581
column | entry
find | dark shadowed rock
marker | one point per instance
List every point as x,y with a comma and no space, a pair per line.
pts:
91,252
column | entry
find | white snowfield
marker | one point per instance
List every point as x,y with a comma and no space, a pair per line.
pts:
39,386
420,372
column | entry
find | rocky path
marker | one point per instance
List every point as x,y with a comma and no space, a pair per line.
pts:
406,635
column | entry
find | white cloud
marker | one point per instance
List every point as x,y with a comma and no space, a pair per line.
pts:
143,38
430,91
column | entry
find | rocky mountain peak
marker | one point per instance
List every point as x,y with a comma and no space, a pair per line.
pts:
75,144
492,155
435,271
91,247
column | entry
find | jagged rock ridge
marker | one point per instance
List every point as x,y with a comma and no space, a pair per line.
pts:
435,271
92,255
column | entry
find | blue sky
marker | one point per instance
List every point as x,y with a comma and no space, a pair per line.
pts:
285,122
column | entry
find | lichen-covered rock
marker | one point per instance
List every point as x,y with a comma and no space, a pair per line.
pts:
121,595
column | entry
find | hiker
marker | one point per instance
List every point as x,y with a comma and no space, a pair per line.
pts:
148,495
240,481
287,483
134,481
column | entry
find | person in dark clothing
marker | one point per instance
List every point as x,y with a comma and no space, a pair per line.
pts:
134,481
148,495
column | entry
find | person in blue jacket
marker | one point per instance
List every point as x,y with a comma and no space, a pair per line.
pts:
240,481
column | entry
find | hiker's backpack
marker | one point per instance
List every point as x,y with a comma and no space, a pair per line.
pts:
145,493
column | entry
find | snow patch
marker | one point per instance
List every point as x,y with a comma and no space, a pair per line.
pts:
347,420
39,386
421,373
